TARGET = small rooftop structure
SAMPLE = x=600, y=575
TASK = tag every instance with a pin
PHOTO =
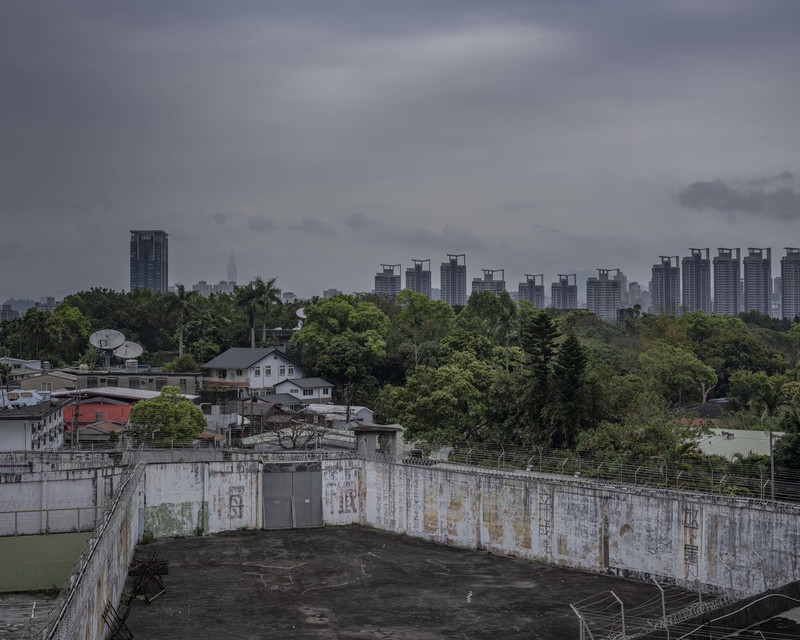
x=378, y=439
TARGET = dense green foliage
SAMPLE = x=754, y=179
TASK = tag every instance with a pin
x=491, y=371
x=167, y=417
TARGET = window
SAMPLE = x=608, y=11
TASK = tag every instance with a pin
x=238, y=372
x=223, y=373
x=256, y=371
x=206, y=408
x=282, y=370
x=294, y=390
x=291, y=369
x=47, y=386
x=308, y=392
x=326, y=391
x=91, y=383
x=267, y=371
x=113, y=382
x=133, y=383
x=182, y=384
x=160, y=383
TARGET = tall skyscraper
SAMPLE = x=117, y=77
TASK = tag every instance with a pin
x=623, y=286
x=387, y=281
x=757, y=279
x=232, y=270
x=790, y=283
x=604, y=295
x=665, y=288
x=453, y=279
x=149, y=260
x=697, y=281
x=564, y=293
x=727, y=281
x=635, y=295
x=488, y=283
x=418, y=278
x=532, y=290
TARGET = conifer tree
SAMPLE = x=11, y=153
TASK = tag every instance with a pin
x=537, y=338
x=569, y=410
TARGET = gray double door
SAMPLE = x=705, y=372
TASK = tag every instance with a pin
x=292, y=498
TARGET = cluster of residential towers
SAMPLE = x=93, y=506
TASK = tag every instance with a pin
x=678, y=285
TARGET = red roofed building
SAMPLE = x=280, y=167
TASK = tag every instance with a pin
x=90, y=412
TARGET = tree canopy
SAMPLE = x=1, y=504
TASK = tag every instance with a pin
x=167, y=417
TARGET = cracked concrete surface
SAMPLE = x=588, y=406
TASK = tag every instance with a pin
x=355, y=583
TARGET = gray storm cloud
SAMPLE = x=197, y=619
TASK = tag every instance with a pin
x=769, y=199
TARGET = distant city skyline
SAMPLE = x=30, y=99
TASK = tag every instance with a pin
x=537, y=136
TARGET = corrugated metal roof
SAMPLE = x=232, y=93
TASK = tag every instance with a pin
x=116, y=392
x=740, y=441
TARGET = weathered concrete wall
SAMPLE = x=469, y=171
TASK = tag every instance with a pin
x=32, y=563
x=57, y=497
x=628, y=531
x=340, y=491
x=195, y=498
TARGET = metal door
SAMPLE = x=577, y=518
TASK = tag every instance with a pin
x=278, y=510
x=307, y=498
x=292, y=499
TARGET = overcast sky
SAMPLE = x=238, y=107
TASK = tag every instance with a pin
x=318, y=139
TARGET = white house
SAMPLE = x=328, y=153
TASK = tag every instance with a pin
x=20, y=368
x=311, y=390
x=29, y=422
x=252, y=371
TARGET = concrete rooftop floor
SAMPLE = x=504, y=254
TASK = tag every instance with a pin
x=355, y=583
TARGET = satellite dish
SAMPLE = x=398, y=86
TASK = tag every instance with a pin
x=301, y=313
x=128, y=350
x=106, y=339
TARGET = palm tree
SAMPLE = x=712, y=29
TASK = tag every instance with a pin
x=266, y=294
x=180, y=304
x=771, y=400
x=245, y=298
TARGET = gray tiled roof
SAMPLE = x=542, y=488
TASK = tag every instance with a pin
x=307, y=383
x=243, y=357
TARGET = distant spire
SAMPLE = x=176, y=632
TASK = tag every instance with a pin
x=232, y=270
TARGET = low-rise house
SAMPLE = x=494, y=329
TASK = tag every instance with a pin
x=30, y=422
x=49, y=381
x=251, y=371
x=310, y=390
x=21, y=368
x=143, y=379
x=335, y=415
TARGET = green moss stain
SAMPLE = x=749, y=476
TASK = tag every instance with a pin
x=175, y=519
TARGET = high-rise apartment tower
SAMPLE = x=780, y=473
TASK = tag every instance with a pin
x=604, y=295
x=488, y=283
x=564, y=293
x=453, y=279
x=418, y=278
x=532, y=290
x=727, y=281
x=790, y=283
x=697, y=281
x=665, y=287
x=387, y=281
x=757, y=279
x=149, y=260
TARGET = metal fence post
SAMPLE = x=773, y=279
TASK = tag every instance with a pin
x=622, y=611
x=663, y=607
